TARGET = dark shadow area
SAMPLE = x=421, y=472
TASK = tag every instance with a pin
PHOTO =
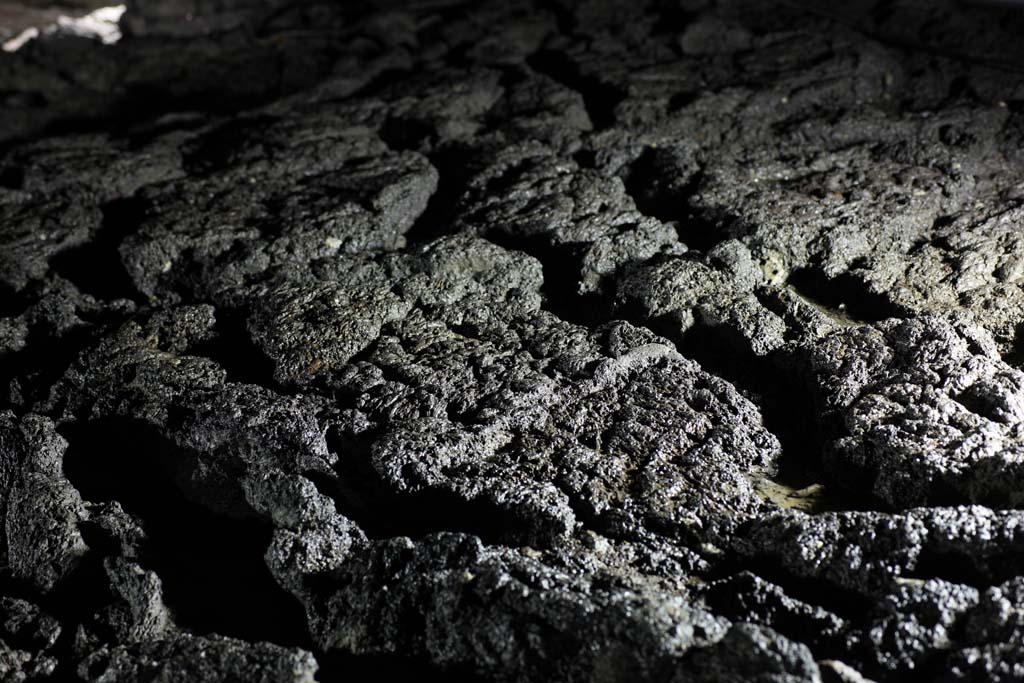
x=739, y=594
x=232, y=349
x=212, y=568
x=962, y=567
x=1015, y=354
x=845, y=296
x=75, y=600
x=784, y=403
x=599, y=99
x=561, y=268
x=844, y=603
x=673, y=18
x=12, y=303
x=662, y=186
x=360, y=494
x=225, y=144
x=439, y=216
x=338, y=667
x=12, y=177
x=973, y=31
x=859, y=609
x=95, y=267
x=43, y=360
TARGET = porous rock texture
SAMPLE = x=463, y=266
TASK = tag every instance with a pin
x=515, y=340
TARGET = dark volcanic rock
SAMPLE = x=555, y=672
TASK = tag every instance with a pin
x=190, y=658
x=525, y=341
x=320, y=187
x=925, y=413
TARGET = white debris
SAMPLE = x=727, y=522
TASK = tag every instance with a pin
x=101, y=24
x=17, y=41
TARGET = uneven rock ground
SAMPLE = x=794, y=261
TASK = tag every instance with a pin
x=518, y=340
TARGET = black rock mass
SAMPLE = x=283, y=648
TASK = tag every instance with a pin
x=515, y=340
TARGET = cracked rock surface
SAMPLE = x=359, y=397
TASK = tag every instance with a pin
x=541, y=340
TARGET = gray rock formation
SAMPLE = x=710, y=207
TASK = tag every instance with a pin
x=567, y=340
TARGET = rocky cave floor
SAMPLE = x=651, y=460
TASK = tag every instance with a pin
x=518, y=340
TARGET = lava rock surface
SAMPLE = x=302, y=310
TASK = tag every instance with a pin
x=528, y=340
